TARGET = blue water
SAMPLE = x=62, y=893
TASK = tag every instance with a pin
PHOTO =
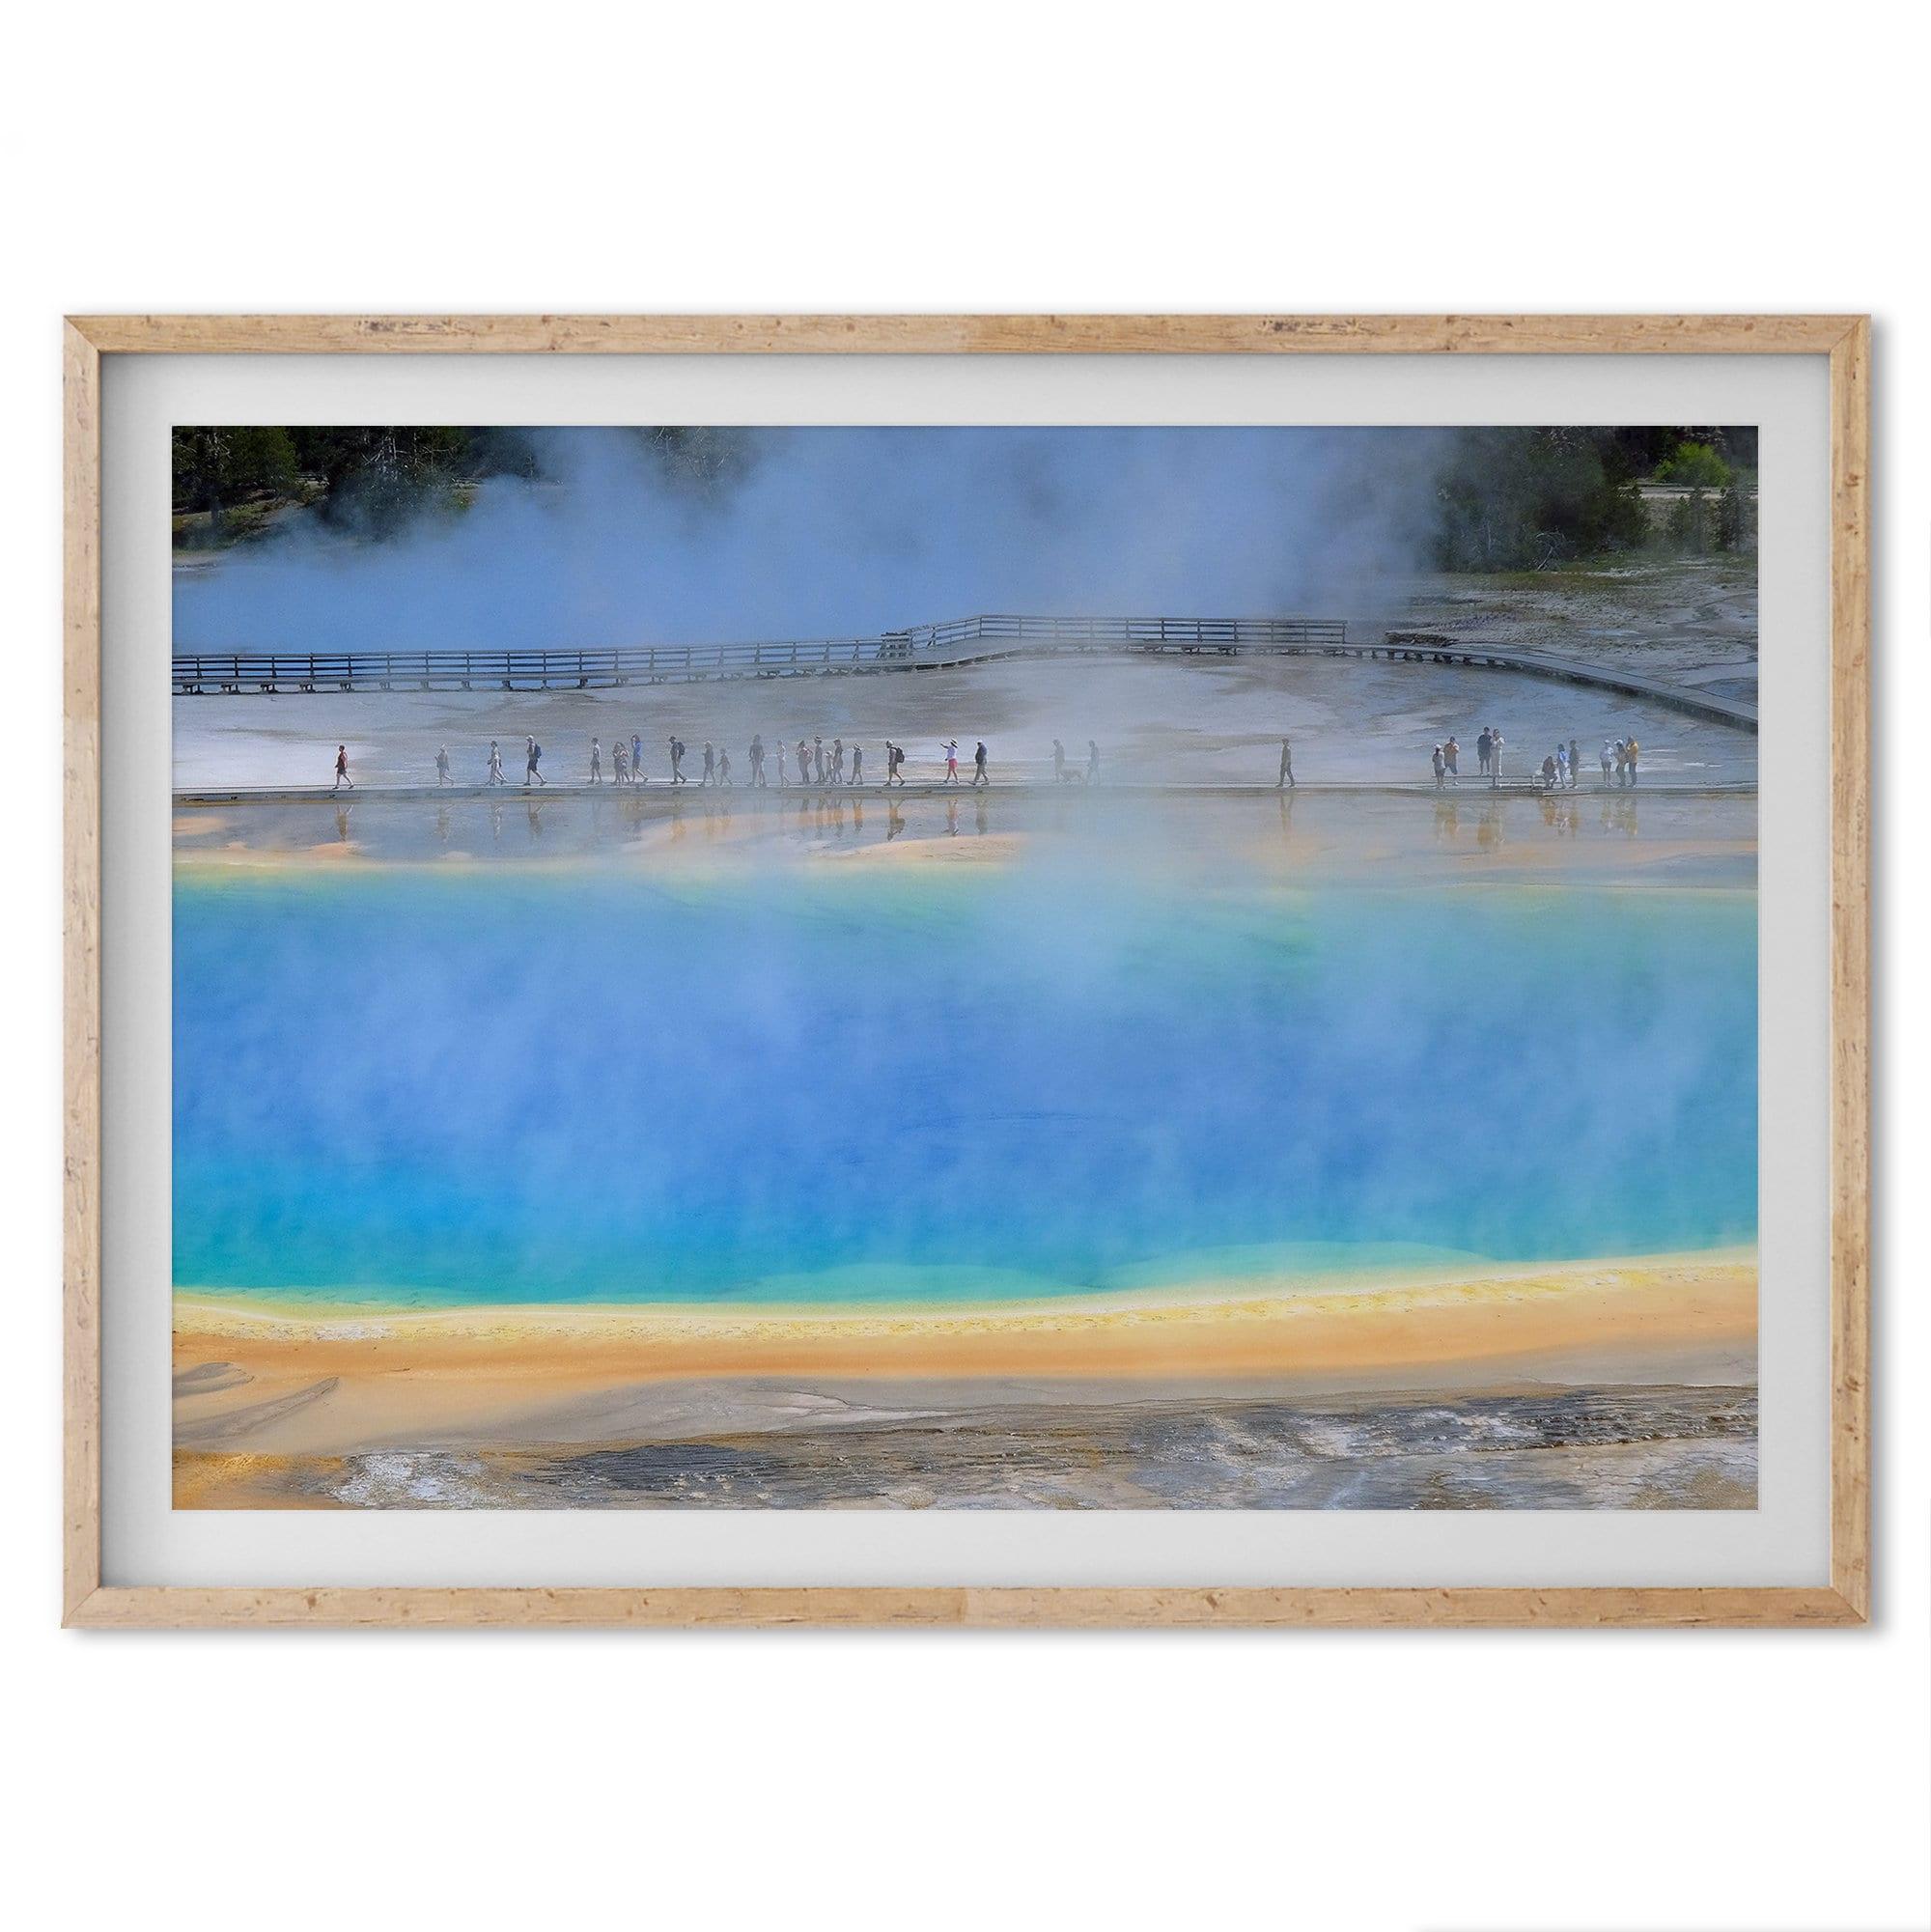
x=412, y=1087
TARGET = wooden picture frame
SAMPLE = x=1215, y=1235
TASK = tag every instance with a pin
x=1844, y=340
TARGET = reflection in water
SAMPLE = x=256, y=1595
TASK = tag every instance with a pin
x=1338, y=834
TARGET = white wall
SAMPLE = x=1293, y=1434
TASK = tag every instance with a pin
x=230, y=157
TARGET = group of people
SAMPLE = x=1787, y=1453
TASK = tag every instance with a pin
x=1561, y=769
x=817, y=764
x=1071, y=774
x=622, y=756
x=1619, y=761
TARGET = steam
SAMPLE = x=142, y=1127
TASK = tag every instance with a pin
x=842, y=532
x=614, y=1082
x=562, y=1085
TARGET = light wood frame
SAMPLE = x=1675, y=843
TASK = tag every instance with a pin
x=1845, y=340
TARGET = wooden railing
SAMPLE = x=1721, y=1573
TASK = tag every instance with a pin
x=588, y=667
x=927, y=647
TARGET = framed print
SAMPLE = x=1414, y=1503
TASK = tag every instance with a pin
x=967, y=970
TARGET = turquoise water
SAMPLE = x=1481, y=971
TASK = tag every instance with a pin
x=419, y=1088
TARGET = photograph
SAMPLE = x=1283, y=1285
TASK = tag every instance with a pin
x=1014, y=905
x=1140, y=968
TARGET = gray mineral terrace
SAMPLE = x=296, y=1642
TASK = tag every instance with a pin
x=1167, y=720
x=986, y=639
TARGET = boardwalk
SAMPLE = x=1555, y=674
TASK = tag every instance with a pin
x=970, y=640
x=1472, y=790
x=930, y=647
x=1421, y=647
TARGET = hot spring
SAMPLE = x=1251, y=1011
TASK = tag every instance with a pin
x=420, y=1086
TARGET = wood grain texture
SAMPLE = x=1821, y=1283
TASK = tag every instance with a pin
x=80, y=1098
x=1846, y=1599
x=963, y=335
x=1850, y=966
x=974, y=1609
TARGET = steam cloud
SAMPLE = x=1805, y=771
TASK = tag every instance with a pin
x=844, y=532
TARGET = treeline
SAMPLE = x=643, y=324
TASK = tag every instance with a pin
x=231, y=477
x=1514, y=499
x=229, y=480
x=1505, y=498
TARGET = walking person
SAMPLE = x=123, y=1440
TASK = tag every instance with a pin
x=894, y=760
x=784, y=782
x=858, y=765
x=1060, y=761
x=1631, y=754
x=1575, y=765
x=951, y=749
x=636, y=759
x=442, y=777
x=724, y=769
x=757, y=759
x=838, y=761
x=1482, y=748
x=596, y=763
x=620, y=761
x=1286, y=779
x=342, y=777
x=710, y=766
x=495, y=773
x=676, y=776
x=532, y=758
x=979, y=776
x=1451, y=753
x=1092, y=761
